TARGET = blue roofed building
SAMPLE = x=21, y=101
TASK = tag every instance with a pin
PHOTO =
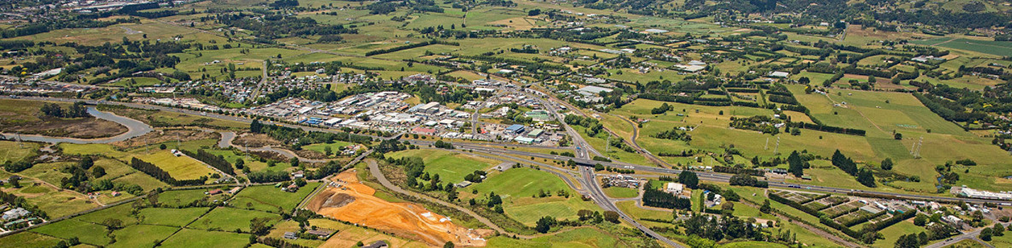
x=515, y=128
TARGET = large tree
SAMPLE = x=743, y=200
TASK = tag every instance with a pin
x=689, y=179
x=797, y=165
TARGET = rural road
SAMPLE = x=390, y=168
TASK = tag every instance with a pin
x=969, y=235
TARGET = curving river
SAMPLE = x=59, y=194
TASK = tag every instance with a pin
x=134, y=128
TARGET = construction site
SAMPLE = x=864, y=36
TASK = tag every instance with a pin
x=347, y=199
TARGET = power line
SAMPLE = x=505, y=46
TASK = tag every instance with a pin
x=917, y=150
x=777, y=148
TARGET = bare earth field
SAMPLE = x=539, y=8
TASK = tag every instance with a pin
x=355, y=202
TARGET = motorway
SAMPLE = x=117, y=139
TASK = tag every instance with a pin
x=584, y=152
x=705, y=176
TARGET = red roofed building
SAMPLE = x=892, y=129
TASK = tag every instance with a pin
x=422, y=130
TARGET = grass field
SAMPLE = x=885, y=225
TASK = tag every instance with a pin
x=55, y=203
x=334, y=147
x=181, y=168
x=115, y=212
x=347, y=236
x=580, y=237
x=528, y=210
x=28, y=239
x=14, y=152
x=172, y=119
x=88, y=233
x=201, y=238
x=518, y=186
x=943, y=140
x=630, y=208
x=450, y=166
x=893, y=233
x=175, y=198
x=171, y=216
x=999, y=48
x=141, y=235
x=268, y=198
x=230, y=219
x=621, y=192
x=752, y=244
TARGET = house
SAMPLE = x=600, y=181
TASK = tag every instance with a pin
x=292, y=188
x=463, y=184
x=953, y=220
x=115, y=193
x=779, y=74
x=234, y=190
x=594, y=90
x=690, y=68
x=298, y=174
x=321, y=233
x=14, y=214
x=213, y=192
x=377, y=244
x=291, y=235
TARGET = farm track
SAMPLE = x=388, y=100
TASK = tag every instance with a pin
x=376, y=172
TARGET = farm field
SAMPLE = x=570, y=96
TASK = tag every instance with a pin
x=181, y=168
x=270, y=199
x=450, y=166
x=999, y=48
x=202, y=238
x=913, y=94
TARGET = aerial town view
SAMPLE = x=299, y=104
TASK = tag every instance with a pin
x=506, y=123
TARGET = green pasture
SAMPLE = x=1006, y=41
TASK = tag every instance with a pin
x=269, y=199
x=451, y=167
x=230, y=219
x=202, y=238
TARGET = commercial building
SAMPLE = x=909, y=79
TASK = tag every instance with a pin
x=523, y=140
x=535, y=133
x=674, y=188
x=515, y=128
x=980, y=194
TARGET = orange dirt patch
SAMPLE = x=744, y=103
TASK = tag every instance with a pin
x=354, y=202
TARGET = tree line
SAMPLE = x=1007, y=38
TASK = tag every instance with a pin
x=863, y=175
x=156, y=172
x=217, y=162
x=78, y=109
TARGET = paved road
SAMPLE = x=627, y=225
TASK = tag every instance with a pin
x=709, y=176
x=956, y=239
x=602, y=200
x=586, y=150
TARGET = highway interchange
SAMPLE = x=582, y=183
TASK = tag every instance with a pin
x=583, y=151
